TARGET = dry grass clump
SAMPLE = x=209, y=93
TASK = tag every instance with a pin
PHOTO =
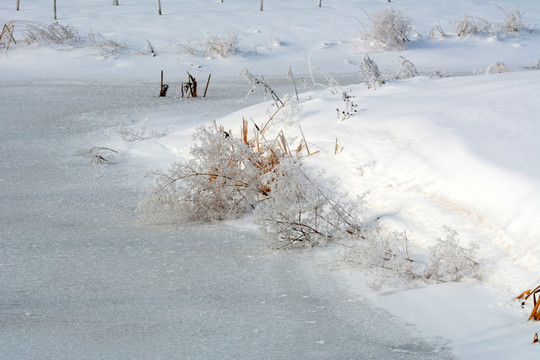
x=224, y=177
x=497, y=68
x=406, y=69
x=55, y=33
x=212, y=46
x=389, y=29
x=107, y=47
x=472, y=25
x=393, y=258
x=369, y=72
x=38, y=33
x=513, y=21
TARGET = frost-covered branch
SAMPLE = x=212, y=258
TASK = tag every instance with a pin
x=253, y=81
x=369, y=73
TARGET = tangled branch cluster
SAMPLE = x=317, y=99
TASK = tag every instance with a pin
x=299, y=213
x=228, y=176
x=223, y=178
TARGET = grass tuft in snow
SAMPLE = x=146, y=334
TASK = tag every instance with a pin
x=389, y=29
x=497, y=68
x=52, y=33
x=406, y=69
x=513, y=21
x=369, y=73
x=107, y=47
x=391, y=258
x=449, y=261
x=212, y=46
x=222, y=180
x=472, y=25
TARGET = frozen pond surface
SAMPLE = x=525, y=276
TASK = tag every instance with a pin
x=79, y=279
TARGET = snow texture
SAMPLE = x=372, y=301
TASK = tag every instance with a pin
x=82, y=278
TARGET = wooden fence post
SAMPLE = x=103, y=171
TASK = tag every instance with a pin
x=164, y=87
x=207, y=83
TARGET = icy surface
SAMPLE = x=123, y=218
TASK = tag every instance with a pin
x=80, y=279
x=77, y=272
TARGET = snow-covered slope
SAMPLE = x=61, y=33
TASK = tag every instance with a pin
x=283, y=35
x=459, y=151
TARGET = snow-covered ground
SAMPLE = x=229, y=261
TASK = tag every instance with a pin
x=459, y=151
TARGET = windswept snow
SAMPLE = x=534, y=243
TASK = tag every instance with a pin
x=81, y=279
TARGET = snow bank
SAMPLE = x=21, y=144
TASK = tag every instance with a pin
x=459, y=151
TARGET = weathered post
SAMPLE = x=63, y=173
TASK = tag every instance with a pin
x=18, y=5
x=54, y=9
x=207, y=83
x=261, y=7
x=159, y=6
x=163, y=88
